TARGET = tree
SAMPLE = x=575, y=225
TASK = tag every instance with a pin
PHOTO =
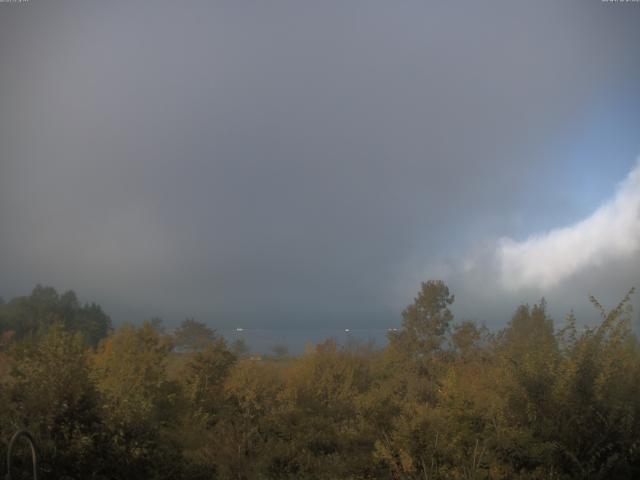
x=441, y=401
x=321, y=415
x=193, y=335
x=597, y=421
x=250, y=423
x=240, y=348
x=426, y=321
x=157, y=324
x=31, y=316
x=414, y=359
x=204, y=378
x=141, y=403
x=467, y=338
x=51, y=394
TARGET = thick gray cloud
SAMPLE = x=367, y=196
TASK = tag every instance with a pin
x=298, y=163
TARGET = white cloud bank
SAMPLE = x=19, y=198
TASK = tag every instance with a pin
x=611, y=233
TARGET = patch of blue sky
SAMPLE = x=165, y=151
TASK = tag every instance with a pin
x=604, y=149
x=585, y=162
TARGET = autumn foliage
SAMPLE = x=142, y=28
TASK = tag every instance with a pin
x=443, y=400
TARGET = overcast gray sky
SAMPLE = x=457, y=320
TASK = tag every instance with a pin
x=304, y=164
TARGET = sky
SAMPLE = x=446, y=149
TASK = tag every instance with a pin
x=298, y=164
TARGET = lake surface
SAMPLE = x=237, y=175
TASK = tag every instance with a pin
x=262, y=340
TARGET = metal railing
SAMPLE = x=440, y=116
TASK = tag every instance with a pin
x=34, y=457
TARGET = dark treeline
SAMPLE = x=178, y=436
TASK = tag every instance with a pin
x=443, y=400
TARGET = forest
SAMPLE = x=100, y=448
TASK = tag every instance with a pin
x=443, y=399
